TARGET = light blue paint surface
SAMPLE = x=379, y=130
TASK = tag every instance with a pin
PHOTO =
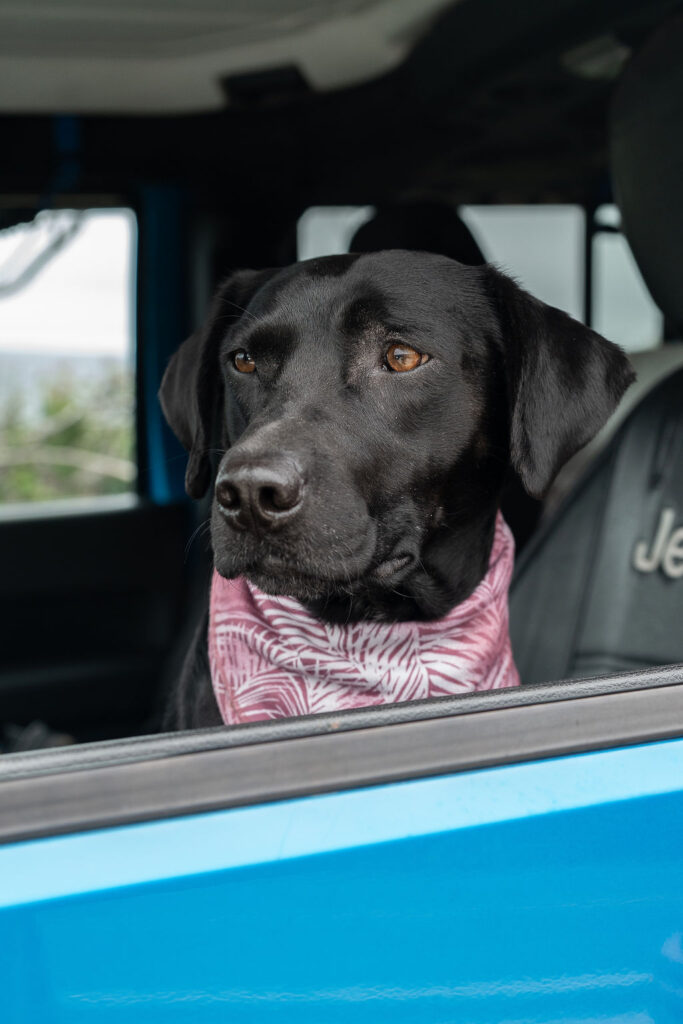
x=543, y=892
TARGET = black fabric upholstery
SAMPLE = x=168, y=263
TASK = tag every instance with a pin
x=646, y=142
x=578, y=605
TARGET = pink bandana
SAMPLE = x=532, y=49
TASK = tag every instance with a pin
x=270, y=658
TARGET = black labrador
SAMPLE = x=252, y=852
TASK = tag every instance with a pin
x=368, y=408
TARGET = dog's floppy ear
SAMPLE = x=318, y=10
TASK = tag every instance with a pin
x=192, y=386
x=564, y=381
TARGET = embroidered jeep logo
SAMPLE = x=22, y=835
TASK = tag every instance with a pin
x=666, y=550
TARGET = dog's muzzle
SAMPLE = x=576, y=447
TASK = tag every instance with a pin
x=261, y=494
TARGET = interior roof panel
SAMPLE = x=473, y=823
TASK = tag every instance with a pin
x=165, y=56
x=493, y=103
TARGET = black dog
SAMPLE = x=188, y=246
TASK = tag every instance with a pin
x=369, y=408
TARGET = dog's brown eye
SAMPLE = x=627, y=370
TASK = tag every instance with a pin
x=402, y=357
x=243, y=361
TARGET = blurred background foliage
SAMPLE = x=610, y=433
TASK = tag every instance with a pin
x=78, y=442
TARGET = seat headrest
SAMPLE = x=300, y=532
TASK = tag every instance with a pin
x=646, y=143
x=428, y=226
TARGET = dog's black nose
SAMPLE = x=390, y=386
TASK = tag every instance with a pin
x=260, y=495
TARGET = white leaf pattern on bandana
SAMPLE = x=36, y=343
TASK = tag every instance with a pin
x=270, y=658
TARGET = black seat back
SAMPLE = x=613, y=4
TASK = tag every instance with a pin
x=646, y=147
x=600, y=588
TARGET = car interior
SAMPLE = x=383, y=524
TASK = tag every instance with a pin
x=541, y=137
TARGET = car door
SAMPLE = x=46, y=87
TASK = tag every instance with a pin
x=500, y=857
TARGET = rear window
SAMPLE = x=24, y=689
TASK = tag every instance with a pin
x=544, y=247
x=623, y=308
x=541, y=246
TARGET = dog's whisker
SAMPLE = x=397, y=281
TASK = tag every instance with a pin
x=195, y=533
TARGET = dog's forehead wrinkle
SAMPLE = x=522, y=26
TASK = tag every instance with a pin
x=355, y=306
x=361, y=308
x=340, y=304
x=268, y=335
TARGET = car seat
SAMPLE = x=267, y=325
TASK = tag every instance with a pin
x=600, y=588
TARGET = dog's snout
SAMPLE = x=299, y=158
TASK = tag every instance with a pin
x=258, y=495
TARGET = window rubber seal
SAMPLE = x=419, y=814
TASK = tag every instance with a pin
x=119, y=782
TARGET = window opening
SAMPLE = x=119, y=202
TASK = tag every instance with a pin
x=67, y=356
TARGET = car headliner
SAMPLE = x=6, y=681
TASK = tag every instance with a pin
x=171, y=55
x=494, y=102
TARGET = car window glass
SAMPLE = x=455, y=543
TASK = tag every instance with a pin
x=623, y=308
x=328, y=230
x=541, y=246
x=66, y=356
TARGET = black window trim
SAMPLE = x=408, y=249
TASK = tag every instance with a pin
x=98, y=785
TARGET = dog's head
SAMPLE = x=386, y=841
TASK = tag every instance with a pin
x=369, y=408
